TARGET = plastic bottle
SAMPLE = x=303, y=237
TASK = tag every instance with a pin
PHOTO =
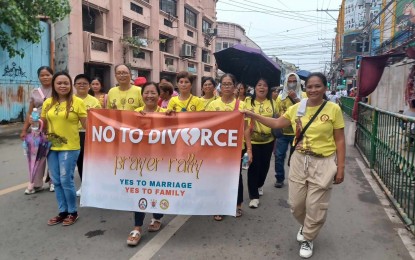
x=35, y=120
x=245, y=160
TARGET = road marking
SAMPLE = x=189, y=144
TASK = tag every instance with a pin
x=155, y=244
x=14, y=188
x=404, y=234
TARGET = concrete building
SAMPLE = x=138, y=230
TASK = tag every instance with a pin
x=229, y=34
x=154, y=37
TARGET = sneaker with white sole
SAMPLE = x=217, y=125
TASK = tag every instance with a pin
x=78, y=192
x=260, y=191
x=306, y=249
x=254, y=203
x=51, y=187
x=300, y=237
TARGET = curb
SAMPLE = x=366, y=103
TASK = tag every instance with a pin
x=12, y=128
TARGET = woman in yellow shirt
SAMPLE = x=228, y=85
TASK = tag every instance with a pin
x=318, y=160
x=186, y=102
x=262, y=140
x=97, y=91
x=228, y=102
x=61, y=114
x=208, y=88
x=82, y=84
x=151, y=94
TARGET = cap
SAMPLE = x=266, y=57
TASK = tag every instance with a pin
x=139, y=81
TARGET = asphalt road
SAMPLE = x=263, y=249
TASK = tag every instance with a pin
x=357, y=226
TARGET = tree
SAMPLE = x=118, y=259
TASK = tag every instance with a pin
x=19, y=20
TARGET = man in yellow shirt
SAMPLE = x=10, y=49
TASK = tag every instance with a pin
x=290, y=95
x=125, y=96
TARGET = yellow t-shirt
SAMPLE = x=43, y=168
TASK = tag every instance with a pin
x=206, y=102
x=195, y=104
x=90, y=102
x=219, y=105
x=282, y=106
x=63, y=132
x=263, y=109
x=125, y=100
x=318, y=140
x=159, y=109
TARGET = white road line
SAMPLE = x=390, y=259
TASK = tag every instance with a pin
x=155, y=244
x=406, y=236
x=14, y=188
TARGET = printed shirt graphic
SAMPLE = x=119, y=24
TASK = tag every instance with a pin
x=318, y=140
x=125, y=100
x=63, y=132
x=90, y=102
x=206, y=102
x=264, y=109
x=101, y=99
x=159, y=109
x=195, y=104
x=282, y=107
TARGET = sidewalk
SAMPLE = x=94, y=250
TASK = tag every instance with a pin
x=11, y=129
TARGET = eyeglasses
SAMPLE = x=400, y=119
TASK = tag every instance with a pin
x=122, y=73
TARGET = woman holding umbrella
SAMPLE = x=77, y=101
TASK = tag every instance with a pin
x=37, y=97
x=228, y=102
x=62, y=113
x=262, y=140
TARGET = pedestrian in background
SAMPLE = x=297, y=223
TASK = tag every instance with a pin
x=333, y=97
x=166, y=92
x=228, y=102
x=318, y=160
x=37, y=97
x=186, y=102
x=82, y=85
x=291, y=94
x=151, y=93
x=262, y=140
x=62, y=114
x=241, y=91
x=97, y=91
x=208, y=88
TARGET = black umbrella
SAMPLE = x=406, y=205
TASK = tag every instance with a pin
x=248, y=65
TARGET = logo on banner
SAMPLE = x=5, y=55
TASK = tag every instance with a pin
x=153, y=204
x=142, y=203
x=164, y=204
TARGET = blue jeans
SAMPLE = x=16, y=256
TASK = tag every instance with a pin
x=281, y=147
x=62, y=167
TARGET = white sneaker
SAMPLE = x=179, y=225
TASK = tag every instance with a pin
x=254, y=203
x=260, y=191
x=306, y=249
x=300, y=237
x=78, y=192
x=51, y=187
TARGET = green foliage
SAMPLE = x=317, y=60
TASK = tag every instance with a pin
x=19, y=19
x=132, y=42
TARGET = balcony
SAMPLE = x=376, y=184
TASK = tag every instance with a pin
x=190, y=34
x=169, y=63
x=98, y=48
x=168, y=24
x=138, y=11
x=139, y=58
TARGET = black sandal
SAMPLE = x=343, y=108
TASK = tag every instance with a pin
x=238, y=213
x=218, y=217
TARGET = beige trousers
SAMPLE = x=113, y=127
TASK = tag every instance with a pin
x=310, y=183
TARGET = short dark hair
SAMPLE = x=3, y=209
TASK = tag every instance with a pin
x=116, y=67
x=149, y=84
x=230, y=76
x=185, y=74
x=82, y=76
x=166, y=87
x=47, y=68
x=318, y=75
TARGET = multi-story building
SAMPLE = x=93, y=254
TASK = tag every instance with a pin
x=229, y=34
x=154, y=37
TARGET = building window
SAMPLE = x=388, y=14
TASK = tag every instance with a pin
x=138, y=31
x=168, y=23
x=169, y=61
x=218, y=46
x=98, y=45
x=166, y=44
x=190, y=17
x=169, y=6
x=205, y=56
x=136, y=8
x=205, y=26
x=137, y=54
x=92, y=20
x=189, y=33
x=207, y=68
x=225, y=45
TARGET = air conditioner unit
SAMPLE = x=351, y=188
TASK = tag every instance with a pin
x=208, y=58
x=187, y=50
x=211, y=31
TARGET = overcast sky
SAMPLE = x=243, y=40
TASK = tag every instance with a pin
x=291, y=30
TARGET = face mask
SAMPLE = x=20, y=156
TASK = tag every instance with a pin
x=292, y=86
